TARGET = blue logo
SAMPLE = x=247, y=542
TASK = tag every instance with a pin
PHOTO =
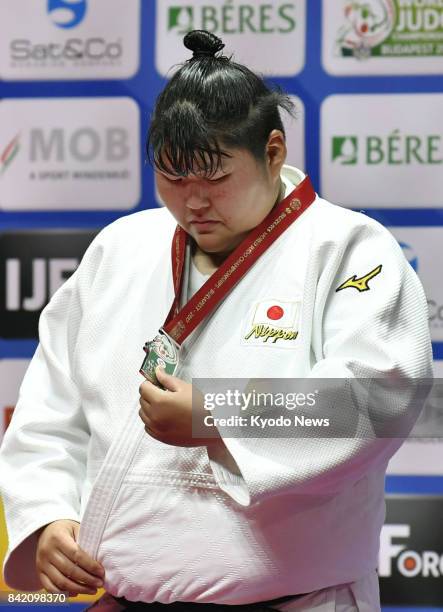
x=67, y=13
x=410, y=255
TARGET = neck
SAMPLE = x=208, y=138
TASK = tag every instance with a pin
x=206, y=263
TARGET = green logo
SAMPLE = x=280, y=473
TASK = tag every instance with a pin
x=393, y=149
x=230, y=18
x=345, y=150
x=8, y=153
x=391, y=28
x=181, y=19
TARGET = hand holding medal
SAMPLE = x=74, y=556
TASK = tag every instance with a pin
x=160, y=352
x=170, y=415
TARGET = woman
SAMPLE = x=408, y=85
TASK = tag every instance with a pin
x=267, y=280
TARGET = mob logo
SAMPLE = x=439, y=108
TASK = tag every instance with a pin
x=33, y=265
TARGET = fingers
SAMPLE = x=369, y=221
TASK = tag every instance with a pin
x=81, y=559
x=145, y=410
x=151, y=392
x=154, y=420
x=147, y=390
x=50, y=587
x=146, y=420
x=168, y=381
x=149, y=426
x=47, y=584
x=143, y=416
x=75, y=572
x=55, y=582
x=62, y=565
x=148, y=414
x=65, y=550
x=76, y=530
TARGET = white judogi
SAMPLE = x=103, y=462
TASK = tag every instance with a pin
x=269, y=518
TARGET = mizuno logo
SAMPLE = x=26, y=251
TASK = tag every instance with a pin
x=362, y=283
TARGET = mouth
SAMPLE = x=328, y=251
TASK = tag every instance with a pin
x=201, y=226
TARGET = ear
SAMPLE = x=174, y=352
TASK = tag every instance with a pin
x=276, y=152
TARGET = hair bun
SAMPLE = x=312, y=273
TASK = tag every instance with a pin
x=202, y=43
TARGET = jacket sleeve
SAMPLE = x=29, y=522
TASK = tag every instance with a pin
x=43, y=454
x=377, y=331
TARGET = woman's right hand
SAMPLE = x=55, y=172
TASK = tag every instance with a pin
x=62, y=566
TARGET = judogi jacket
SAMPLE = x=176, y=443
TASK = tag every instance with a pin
x=267, y=517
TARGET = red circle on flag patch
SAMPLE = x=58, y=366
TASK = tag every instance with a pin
x=275, y=312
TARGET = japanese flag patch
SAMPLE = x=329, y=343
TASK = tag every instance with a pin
x=272, y=323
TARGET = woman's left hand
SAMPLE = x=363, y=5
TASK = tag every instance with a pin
x=170, y=417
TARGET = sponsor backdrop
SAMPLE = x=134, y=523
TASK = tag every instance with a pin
x=78, y=79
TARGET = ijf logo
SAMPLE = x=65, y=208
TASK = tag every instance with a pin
x=33, y=266
x=272, y=322
x=67, y=13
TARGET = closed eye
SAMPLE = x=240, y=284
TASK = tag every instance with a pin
x=178, y=179
x=172, y=179
x=220, y=179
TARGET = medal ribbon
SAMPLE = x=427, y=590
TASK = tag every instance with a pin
x=179, y=324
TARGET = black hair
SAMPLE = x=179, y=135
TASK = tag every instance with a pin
x=212, y=102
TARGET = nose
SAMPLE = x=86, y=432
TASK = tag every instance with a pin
x=196, y=197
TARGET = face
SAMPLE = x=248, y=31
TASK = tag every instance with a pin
x=219, y=212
